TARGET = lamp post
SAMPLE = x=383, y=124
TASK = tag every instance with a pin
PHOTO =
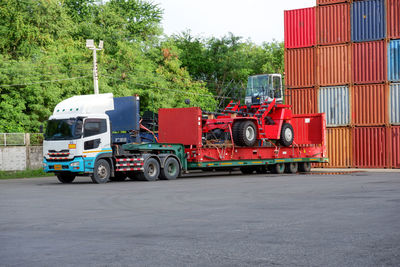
x=91, y=46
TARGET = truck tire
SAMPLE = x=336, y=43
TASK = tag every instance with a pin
x=291, y=167
x=278, y=168
x=287, y=134
x=151, y=170
x=244, y=133
x=171, y=169
x=118, y=177
x=101, y=172
x=247, y=170
x=304, y=167
x=66, y=177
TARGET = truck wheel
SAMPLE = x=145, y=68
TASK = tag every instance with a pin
x=244, y=133
x=66, y=177
x=304, y=167
x=171, y=169
x=287, y=135
x=151, y=170
x=101, y=172
x=247, y=170
x=291, y=167
x=118, y=177
x=278, y=168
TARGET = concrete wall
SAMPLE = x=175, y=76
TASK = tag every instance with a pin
x=19, y=158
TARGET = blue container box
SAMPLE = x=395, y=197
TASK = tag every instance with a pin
x=368, y=20
x=393, y=52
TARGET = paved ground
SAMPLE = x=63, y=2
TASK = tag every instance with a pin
x=258, y=220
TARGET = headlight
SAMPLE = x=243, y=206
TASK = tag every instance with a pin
x=74, y=164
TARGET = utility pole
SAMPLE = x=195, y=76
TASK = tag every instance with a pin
x=91, y=46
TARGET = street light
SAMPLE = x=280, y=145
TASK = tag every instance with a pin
x=90, y=44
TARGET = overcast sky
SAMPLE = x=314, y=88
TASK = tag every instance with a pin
x=260, y=20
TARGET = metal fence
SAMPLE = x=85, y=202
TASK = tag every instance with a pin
x=21, y=139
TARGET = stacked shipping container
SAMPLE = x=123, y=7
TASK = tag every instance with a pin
x=343, y=58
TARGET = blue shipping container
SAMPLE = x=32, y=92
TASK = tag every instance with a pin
x=394, y=105
x=394, y=60
x=368, y=20
x=334, y=101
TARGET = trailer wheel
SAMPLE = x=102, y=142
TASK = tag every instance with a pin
x=118, y=177
x=66, y=177
x=291, y=167
x=171, y=169
x=151, y=170
x=244, y=133
x=278, y=168
x=304, y=166
x=247, y=170
x=101, y=172
x=287, y=134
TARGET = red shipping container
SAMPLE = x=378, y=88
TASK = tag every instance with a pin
x=393, y=19
x=370, y=147
x=329, y=2
x=300, y=28
x=333, y=24
x=303, y=101
x=369, y=62
x=370, y=105
x=334, y=65
x=395, y=146
x=300, y=67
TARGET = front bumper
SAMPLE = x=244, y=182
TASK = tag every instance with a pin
x=75, y=165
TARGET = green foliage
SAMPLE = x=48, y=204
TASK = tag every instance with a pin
x=43, y=58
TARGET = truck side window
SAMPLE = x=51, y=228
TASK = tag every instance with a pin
x=91, y=144
x=94, y=127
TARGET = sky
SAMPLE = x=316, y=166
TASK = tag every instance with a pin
x=259, y=20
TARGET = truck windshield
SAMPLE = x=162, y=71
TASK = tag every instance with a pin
x=258, y=85
x=65, y=129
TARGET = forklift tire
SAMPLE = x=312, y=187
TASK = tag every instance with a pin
x=247, y=170
x=304, y=167
x=287, y=134
x=171, y=169
x=151, y=170
x=244, y=133
x=101, y=172
x=291, y=167
x=278, y=168
x=118, y=177
x=66, y=177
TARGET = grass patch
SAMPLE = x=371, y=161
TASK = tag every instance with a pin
x=24, y=174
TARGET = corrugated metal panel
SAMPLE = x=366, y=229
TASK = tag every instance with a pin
x=334, y=101
x=300, y=28
x=303, y=101
x=338, y=147
x=329, y=2
x=333, y=24
x=334, y=65
x=369, y=105
x=370, y=147
x=394, y=105
x=300, y=67
x=369, y=62
x=394, y=60
x=393, y=19
x=368, y=22
x=395, y=146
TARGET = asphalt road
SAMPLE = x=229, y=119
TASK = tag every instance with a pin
x=209, y=220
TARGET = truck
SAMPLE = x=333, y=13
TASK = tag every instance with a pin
x=101, y=136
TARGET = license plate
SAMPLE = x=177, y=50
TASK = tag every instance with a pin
x=57, y=167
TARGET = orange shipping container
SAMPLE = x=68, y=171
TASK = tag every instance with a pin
x=300, y=67
x=333, y=24
x=395, y=146
x=334, y=65
x=339, y=148
x=329, y=2
x=369, y=105
x=393, y=19
x=303, y=101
